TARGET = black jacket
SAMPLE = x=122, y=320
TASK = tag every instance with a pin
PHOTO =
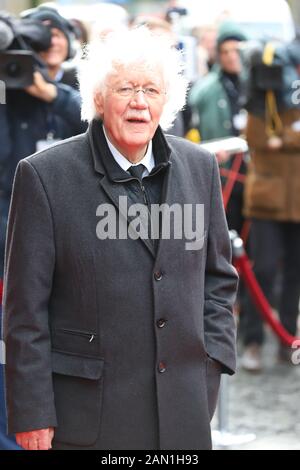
x=24, y=120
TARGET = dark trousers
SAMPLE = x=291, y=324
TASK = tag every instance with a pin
x=275, y=250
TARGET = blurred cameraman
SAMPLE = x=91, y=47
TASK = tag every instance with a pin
x=63, y=34
x=42, y=113
x=33, y=118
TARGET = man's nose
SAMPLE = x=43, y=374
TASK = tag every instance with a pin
x=139, y=99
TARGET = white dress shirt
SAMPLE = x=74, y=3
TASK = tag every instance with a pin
x=147, y=160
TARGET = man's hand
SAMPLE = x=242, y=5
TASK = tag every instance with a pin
x=40, y=439
x=41, y=89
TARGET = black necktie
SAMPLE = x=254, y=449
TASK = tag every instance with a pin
x=137, y=171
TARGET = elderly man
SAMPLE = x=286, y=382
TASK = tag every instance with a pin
x=116, y=328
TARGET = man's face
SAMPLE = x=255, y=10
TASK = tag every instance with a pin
x=229, y=57
x=131, y=121
x=58, y=51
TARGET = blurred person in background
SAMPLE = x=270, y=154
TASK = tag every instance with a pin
x=272, y=195
x=46, y=111
x=218, y=101
x=64, y=35
x=206, y=48
x=69, y=69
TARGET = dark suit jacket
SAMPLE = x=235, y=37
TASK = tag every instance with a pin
x=84, y=346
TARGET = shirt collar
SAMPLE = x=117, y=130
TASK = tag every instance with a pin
x=148, y=160
x=104, y=162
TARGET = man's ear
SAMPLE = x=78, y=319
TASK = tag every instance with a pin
x=98, y=100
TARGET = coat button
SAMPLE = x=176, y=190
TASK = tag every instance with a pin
x=161, y=323
x=161, y=367
x=222, y=103
x=158, y=275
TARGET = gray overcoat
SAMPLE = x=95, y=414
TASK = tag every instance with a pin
x=116, y=346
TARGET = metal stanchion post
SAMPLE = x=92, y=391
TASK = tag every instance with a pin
x=223, y=405
x=221, y=437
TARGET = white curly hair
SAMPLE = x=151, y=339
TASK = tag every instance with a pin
x=127, y=48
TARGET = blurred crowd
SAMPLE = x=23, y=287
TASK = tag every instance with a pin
x=238, y=88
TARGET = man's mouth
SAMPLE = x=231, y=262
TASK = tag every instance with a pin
x=136, y=120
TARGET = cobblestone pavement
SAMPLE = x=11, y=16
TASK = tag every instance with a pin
x=266, y=404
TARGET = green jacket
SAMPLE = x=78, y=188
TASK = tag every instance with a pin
x=209, y=99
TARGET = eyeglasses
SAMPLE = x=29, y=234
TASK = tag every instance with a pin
x=129, y=91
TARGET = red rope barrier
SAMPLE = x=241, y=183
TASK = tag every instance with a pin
x=245, y=232
x=243, y=265
x=229, y=174
x=232, y=176
x=242, y=261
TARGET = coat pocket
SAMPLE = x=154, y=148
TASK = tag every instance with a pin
x=75, y=341
x=78, y=391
